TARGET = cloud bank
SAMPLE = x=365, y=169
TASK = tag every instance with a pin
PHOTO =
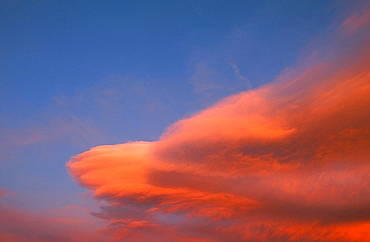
x=286, y=161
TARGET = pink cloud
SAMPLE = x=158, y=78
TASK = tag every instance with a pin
x=21, y=226
x=287, y=161
x=357, y=21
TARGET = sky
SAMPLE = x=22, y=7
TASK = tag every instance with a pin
x=184, y=120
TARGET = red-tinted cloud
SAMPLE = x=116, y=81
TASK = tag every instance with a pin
x=287, y=161
x=23, y=226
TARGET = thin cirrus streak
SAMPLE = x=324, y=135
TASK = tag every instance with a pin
x=287, y=161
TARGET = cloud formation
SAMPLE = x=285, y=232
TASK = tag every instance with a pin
x=287, y=161
x=18, y=225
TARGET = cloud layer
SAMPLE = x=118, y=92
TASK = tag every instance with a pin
x=287, y=161
x=19, y=225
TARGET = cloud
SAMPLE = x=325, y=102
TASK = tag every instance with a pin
x=239, y=76
x=79, y=132
x=286, y=161
x=20, y=226
x=16, y=225
x=204, y=78
x=357, y=21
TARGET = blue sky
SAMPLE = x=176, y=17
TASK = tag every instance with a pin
x=77, y=74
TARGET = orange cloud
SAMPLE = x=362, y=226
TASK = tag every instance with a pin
x=287, y=161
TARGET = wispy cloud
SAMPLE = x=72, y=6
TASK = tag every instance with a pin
x=204, y=78
x=239, y=76
x=78, y=131
x=22, y=225
x=287, y=161
x=357, y=21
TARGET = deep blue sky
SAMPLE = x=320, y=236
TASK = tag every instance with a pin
x=76, y=74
